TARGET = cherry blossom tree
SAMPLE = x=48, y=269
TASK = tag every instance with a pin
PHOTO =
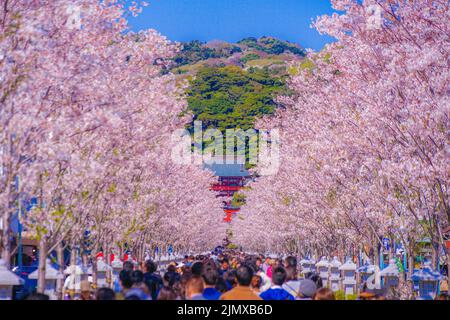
x=87, y=117
x=364, y=137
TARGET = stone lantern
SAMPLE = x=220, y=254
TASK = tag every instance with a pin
x=116, y=266
x=428, y=282
x=348, y=270
x=307, y=266
x=335, y=274
x=51, y=276
x=103, y=273
x=8, y=279
x=322, y=267
x=390, y=275
x=365, y=271
x=86, y=273
x=131, y=259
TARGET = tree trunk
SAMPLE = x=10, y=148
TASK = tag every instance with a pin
x=94, y=273
x=142, y=253
x=73, y=262
x=6, y=244
x=376, y=256
x=410, y=252
x=73, y=255
x=410, y=262
x=448, y=267
x=60, y=282
x=84, y=259
x=41, y=266
x=434, y=255
x=106, y=253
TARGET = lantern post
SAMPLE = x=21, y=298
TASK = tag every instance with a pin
x=8, y=279
x=52, y=275
x=323, y=268
x=428, y=282
x=348, y=275
x=390, y=275
x=335, y=274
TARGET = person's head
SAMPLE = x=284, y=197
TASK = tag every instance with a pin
x=180, y=267
x=278, y=276
x=221, y=285
x=128, y=265
x=150, y=266
x=256, y=282
x=258, y=262
x=250, y=264
x=137, y=277
x=230, y=277
x=167, y=293
x=278, y=263
x=307, y=288
x=180, y=285
x=38, y=296
x=197, y=268
x=291, y=273
x=225, y=264
x=105, y=294
x=209, y=263
x=169, y=279
x=324, y=294
x=125, y=279
x=194, y=286
x=290, y=261
x=315, y=278
x=372, y=294
x=244, y=275
x=210, y=276
x=171, y=268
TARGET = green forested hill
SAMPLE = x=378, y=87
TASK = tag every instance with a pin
x=230, y=97
x=230, y=84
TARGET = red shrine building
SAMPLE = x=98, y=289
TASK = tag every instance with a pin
x=231, y=177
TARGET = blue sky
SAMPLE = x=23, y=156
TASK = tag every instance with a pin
x=232, y=20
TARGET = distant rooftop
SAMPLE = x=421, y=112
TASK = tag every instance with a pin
x=228, y=168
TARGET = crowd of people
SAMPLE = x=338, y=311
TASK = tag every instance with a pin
x=225, y=276
x=222, y=276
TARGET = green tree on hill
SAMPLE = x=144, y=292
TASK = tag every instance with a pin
x=229, y=97
x=195, y=51
x=272, y=45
